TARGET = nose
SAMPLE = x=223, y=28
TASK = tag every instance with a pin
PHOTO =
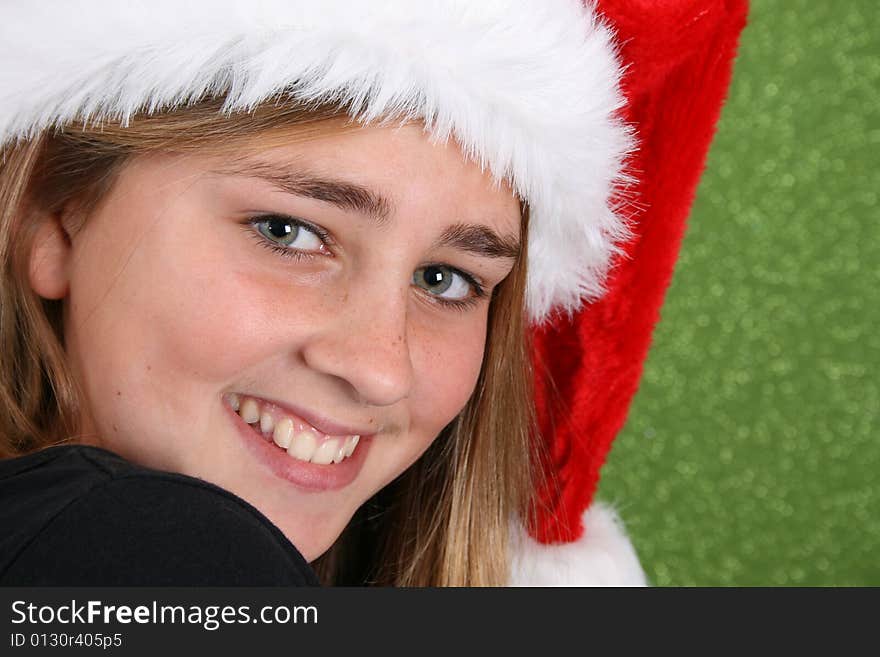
x=363, y=342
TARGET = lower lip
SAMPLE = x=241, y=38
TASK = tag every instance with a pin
x=310, y=477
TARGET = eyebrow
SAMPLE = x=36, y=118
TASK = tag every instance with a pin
x=479, y=240
x=345, y=195
x=473, y=238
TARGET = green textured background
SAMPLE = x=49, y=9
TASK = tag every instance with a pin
x=751, y=455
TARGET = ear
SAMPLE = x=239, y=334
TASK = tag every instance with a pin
x=49, y=270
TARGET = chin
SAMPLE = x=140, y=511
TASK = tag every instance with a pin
x=313, y=539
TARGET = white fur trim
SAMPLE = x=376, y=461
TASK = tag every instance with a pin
x=529, y=88
x=604, y=556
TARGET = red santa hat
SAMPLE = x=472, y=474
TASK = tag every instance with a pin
x=599, y=115
x=678, y=58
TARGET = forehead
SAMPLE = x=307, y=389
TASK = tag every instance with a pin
x=401, y=166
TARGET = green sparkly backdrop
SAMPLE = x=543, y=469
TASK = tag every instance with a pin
x=751, y=455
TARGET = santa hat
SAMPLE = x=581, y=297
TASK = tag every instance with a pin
x=599, y=115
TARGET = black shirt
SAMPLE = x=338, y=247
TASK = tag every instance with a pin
x=83, y=516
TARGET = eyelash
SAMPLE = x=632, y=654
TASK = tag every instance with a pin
x=460, y=305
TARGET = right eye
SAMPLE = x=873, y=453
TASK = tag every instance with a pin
x=288, y=233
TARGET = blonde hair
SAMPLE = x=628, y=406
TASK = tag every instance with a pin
x=444, y=522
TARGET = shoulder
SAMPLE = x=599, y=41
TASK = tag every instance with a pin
x=88, y=517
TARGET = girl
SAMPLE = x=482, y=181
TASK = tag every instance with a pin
x=269, y=273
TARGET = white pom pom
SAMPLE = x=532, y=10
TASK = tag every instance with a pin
x=603, y=556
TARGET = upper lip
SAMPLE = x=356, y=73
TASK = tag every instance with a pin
x=323, y=423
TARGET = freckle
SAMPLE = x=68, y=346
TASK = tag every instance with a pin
x=118, y=394
x=149, y=368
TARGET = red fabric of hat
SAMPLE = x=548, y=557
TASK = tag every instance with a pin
x=678, y=56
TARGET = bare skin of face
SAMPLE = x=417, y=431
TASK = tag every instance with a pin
x=242, y=319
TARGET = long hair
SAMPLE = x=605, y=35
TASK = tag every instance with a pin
x=444, y=522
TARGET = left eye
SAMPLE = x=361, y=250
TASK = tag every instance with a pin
x=287, y=232
x=442, y=281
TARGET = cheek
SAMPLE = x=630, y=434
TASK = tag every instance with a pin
x=447, y=366
x=158, y=330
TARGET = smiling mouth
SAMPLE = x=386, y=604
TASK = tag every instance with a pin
x=290, y=433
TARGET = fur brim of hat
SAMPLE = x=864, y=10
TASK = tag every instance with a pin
x=528, y=88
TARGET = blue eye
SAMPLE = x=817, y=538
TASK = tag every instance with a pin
x=286, y=232
x=292, y=238
x=445, y=282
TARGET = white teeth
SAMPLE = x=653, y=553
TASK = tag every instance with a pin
x=267, y=423
x=283, y=433
x=250, y=412
x=303, y=446
x=326, y=452
x=350, y=443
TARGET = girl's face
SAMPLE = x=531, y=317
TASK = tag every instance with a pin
x=329, y=288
